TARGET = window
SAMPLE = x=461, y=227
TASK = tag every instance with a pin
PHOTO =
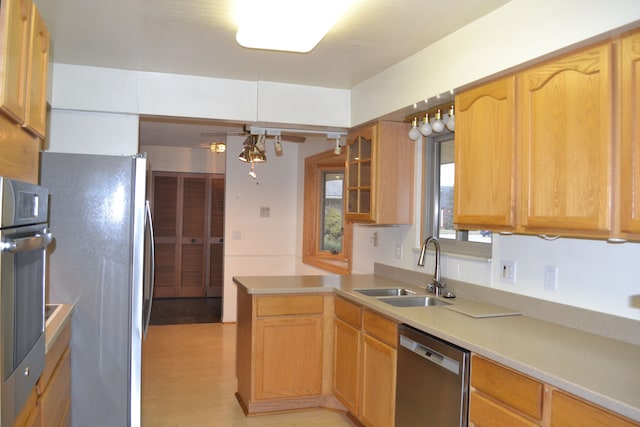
x=439, y=167
x=326, y=237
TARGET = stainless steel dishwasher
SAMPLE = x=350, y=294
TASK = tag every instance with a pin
x=432, y=382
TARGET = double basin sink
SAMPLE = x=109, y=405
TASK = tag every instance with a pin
x=401, y=297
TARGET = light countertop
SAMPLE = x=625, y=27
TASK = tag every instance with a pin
x=56, y=323
x=598, y=369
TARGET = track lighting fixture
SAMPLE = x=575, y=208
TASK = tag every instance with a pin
x=338, y=150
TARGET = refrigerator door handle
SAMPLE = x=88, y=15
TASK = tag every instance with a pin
x=152, y=261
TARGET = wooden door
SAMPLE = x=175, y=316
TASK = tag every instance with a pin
x=485, y=157
x=216, y=237
x=165, y=220
x=630, y=134
x=378, y=383
x=15, y=24
x=346, y=369
x=565, y=143
x=193, y=236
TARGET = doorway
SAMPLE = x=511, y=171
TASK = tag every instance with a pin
x=188, y=212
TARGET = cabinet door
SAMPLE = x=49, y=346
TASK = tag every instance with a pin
x=15, y=20
x=485, y=159
x=359, y=175
x=630, y=134
x=288, y=357
x=36, y=104
x=346, y=366
x=378, y=383
x=565, y=143
x=194, y=236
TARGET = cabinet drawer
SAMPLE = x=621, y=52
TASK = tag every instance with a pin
x=56, y=395
x=484, y=412
x=348, y=312
x=507, y=386
x=284, y=305
x=384, y=329
x=53, y=357
x=568, y=411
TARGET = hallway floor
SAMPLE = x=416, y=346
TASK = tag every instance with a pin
x=188, y=380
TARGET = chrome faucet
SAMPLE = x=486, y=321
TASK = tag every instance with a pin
x=436, y=285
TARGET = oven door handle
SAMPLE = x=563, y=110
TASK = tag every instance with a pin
x=25, y=244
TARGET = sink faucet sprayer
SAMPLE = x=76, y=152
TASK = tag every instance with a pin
x=436, y=285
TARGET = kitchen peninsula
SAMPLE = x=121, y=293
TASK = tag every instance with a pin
x=593, y=368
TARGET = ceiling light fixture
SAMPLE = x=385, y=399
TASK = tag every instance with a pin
x=218, y=147
x=277, y=145
x=287, y=25
x=435, y=124
x=338, y=150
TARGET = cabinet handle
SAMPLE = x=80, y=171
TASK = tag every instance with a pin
x=193, y=240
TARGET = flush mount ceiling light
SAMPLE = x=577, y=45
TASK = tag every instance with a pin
x=287, y=25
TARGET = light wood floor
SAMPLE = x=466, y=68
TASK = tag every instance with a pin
x=188, y=380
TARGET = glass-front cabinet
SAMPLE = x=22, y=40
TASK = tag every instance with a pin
x=379, y=174
x=360, y=169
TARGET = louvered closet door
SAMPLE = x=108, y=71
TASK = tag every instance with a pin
x=216, y=237
x=193, y=236
x=165, y=218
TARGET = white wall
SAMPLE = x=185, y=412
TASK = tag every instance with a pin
x=519, y=31
x=256, y=245
x=73, y=131
x=182, y=159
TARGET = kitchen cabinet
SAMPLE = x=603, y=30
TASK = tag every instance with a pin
x=54, y=386
x=379, y=174
x=565, y=133
x=485, y=146
x=283, y=357
x=630, y=134
x=188, y=212
x=365, y=357
x=500, y=396
x=347, y=354
x=24, y=56
x=503, y=397
x=540, y=159
x=570, y=411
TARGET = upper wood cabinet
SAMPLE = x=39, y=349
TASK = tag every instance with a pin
x=569, y=171
x=379, y=174
x=485, y=145
x=36, y=109
x=630, y=134
x=566, y=144
x=15, y=26
x=24, y=56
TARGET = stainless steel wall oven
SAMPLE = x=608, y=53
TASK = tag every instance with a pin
x=23, y=240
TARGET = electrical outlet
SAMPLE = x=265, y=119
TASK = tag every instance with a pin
x=398, y=251
x=374, y=239
x=551, y=278
x=508, y=271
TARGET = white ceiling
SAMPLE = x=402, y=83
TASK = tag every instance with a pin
x=197, y=37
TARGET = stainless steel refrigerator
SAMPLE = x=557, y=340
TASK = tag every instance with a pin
x=102, y=261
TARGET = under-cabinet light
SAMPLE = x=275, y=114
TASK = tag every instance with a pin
x=287, y=25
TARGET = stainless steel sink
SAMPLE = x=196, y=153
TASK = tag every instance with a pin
x=413, y=301
x=385, y=292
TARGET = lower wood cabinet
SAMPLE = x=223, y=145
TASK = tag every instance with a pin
x=365, y=357
x=283, y=352
x=502, y=397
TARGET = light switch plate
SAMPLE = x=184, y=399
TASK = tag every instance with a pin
x=508, y=271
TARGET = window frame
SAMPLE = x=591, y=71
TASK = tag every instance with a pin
x=431, y=203
x=314, y=168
